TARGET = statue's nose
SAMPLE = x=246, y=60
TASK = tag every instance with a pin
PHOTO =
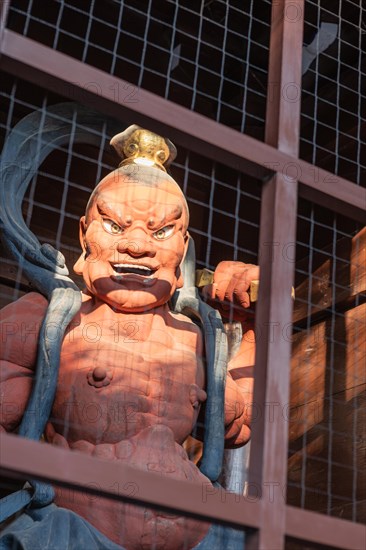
x=138, y=243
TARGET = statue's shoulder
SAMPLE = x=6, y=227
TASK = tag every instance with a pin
x=21, y=322
x=30, y=306
x=185, y=330
x=180, y=320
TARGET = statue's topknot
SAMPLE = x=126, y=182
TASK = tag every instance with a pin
x=139, y=146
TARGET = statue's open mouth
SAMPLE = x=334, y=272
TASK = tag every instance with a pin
x=125, y=269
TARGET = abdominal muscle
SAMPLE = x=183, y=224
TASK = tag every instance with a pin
x=134, y=527
x=138, y=414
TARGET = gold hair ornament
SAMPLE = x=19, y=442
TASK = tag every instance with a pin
x=139, y=146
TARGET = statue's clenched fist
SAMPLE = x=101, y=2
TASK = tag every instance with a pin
x=230, y=290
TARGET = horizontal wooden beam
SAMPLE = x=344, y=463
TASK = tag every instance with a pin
x=124, y=101
x=26, y=459
x=326, y=530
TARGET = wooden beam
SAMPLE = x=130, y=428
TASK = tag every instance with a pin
x=124, y=101
x=26, y=459
x=96, y=476
x=305, y=525
x=269, y=447
x=120, y=99
x=4, y=9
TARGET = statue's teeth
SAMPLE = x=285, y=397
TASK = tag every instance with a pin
x=132, y=268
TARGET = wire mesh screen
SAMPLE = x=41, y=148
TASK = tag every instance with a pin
x=59, y=191
x=333, y=94
x=209, y=56
x=328, y=376
x=224, y=205
x=124, y=522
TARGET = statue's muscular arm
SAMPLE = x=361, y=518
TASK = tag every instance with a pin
x=20, y=326
x=229, y=292
x=239, y=390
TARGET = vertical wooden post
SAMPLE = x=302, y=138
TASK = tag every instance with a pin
x=268, y=464
x=4, y=8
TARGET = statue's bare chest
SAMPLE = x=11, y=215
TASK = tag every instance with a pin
x=98, y=353
x=111, y=381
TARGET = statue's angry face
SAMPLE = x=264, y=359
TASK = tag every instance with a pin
x=134, y=237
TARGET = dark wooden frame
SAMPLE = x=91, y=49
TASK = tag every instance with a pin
x=264, y=509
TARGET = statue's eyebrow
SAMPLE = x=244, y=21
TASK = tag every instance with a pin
x=166, y=216
x=105, y=209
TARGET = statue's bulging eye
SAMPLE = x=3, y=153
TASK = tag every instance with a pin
x=112, y=227
x=163, y=233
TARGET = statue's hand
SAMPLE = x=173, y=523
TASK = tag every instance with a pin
x=229, y=292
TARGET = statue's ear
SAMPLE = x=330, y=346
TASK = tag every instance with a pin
x=187, y=241
x=180, y=281
x=79, y=265
x=182, y=271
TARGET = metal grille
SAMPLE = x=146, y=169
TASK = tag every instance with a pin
x=328, y=380
x=327, y=390
x=59, y=190
x=333, y=94
x=209, y=56
x=327, y=444
x=224, y=205
x=135, y=521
